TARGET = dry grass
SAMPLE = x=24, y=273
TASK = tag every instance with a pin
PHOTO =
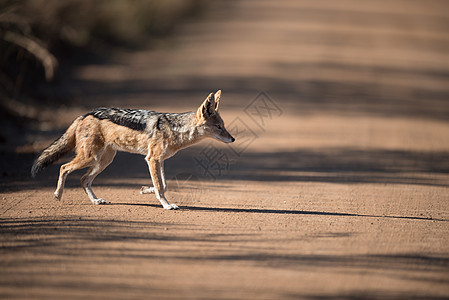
x=35, y=34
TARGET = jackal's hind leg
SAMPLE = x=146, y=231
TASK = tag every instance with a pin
x=86, y=181
x=76, y=164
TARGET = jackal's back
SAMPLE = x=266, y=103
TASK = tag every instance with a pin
x=144, y=120
x=135, y=119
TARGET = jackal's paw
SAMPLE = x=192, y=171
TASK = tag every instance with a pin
x=99, y=201
x=171, y=207
x=57, y=197
x=146, y=190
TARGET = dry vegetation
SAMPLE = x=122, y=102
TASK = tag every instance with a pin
x=36, y=34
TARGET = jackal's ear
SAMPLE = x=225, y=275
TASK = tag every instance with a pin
x=217, y=99
x=207, y=108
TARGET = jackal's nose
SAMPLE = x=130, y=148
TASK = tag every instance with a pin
x=232, y=140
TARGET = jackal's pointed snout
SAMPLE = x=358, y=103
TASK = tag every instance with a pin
x=224, y=136
x=228, y=139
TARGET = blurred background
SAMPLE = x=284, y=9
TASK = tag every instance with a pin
x=339, y=189
x=42, y=43
x=59, y=59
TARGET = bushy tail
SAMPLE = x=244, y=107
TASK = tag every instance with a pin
x=57, y=149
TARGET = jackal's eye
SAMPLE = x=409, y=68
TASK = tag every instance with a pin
x=218, y=127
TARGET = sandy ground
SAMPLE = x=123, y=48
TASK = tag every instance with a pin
x=337, y=186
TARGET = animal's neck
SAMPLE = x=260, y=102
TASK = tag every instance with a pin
x=189, y=138
x=186, y=134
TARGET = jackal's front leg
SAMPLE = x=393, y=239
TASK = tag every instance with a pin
x=158, y=182
x=150, y=189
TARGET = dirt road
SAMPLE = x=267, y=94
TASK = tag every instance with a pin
x=337, y=186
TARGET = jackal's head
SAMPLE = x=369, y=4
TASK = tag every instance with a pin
x=208, y=120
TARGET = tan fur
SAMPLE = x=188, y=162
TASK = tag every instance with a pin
x=97, y=141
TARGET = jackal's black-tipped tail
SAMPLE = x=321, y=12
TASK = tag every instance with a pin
x=57, y=149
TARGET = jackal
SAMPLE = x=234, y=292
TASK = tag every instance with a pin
x=99, y=134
